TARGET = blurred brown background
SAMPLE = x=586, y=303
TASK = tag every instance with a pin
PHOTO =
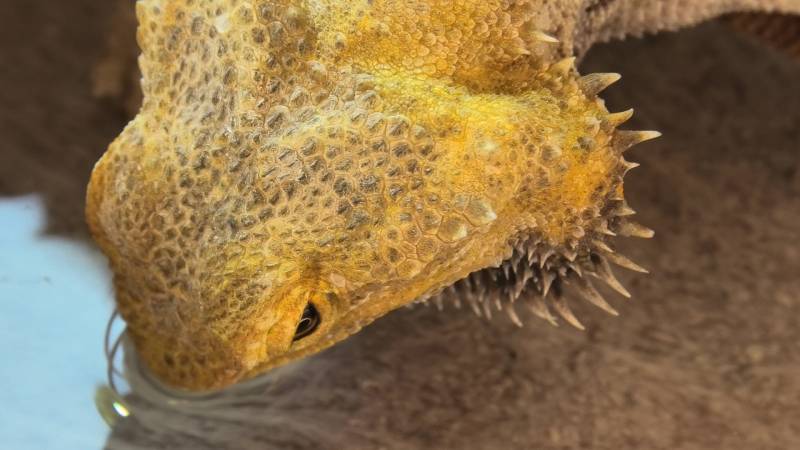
x=706, y=356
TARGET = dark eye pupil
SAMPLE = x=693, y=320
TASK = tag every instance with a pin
x=308, y=322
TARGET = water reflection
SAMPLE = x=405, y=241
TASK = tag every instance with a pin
x=54, y=300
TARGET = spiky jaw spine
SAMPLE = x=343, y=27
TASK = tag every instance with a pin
x=542, y=274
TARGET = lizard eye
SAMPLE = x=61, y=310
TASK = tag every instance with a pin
x=308, y=322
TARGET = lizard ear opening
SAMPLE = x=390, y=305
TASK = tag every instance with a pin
x=309, y=322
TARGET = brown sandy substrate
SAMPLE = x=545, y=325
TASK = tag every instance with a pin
x=706, y=356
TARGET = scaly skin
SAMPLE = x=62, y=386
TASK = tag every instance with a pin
x=356, y=156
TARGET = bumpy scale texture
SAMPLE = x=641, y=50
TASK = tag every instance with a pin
x=356, y=156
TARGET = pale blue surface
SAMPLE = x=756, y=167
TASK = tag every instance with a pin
x=55, y=298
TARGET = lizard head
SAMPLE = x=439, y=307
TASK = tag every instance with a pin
x=299, y=169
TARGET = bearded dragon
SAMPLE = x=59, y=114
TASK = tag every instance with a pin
x=300, y=168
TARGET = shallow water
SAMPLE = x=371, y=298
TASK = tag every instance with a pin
x=54, y=301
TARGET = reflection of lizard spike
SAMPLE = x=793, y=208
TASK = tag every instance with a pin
x=632, y=229
x=594, y=83
x=623, y=261
x=604, y=273
x=560, y=305
x=587, y=290
x=625, y=139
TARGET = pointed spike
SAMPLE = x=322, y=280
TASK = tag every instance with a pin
x=564, y=66
x=473, y=304
x=512, y=314
x=592, y=212
x=569, y=254
x=625, y=139
x=595, y=83
x=452, y=296
x=618, y=194
x=624, y=262
x=509, y=291
x=539, y=308
x=497, y=300
x=519, y=285
x=487, y=308
x=544, y=37
x=560, y=305
x=494, y=275
x=474, y=283
x=628, y=166
x=465, y=284
x=603, y=228
x=602, y=246
x=587, y=290
x=439, y=302
x=531, y=255
x=604, y=273
x=632, y=229
x=481, y=294
x=575, y=268
x=543, y=259
x=618, y=118
x=547, y=282
x=624, y=210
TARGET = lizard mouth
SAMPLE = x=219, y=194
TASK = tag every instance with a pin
x=543, y=277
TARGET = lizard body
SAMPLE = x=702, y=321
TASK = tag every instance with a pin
x=300, y=168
